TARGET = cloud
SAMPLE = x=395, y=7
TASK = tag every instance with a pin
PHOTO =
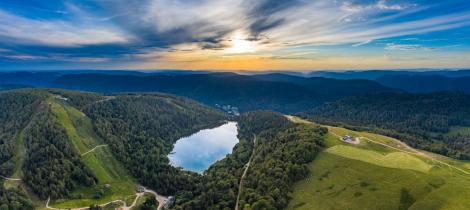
x=104, y=30
x=382, y=4
x=406, y=47
x=21, y=30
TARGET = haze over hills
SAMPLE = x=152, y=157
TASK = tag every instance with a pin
x=285, y=93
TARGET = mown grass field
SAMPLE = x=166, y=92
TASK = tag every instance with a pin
x=373, y=176
x=113, y=178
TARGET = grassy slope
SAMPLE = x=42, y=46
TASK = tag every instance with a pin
x=101, y=161
x=372, y=176
x=458, y=130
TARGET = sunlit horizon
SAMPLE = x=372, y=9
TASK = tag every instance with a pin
x=227, y=35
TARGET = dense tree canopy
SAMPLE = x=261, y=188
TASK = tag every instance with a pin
x=141, y=130
x=53, y=167
x=13, y=199
x=421, y=120
x=17, y=108
x=279, y=155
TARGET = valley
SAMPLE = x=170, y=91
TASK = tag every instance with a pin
x=272, y=161
x=234, y=105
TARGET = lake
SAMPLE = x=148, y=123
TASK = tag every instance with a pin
x=202, y=149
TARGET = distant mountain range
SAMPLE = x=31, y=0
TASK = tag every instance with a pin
x=284, y=92
x=277, y=92
x=426, y=83
x=376, y=74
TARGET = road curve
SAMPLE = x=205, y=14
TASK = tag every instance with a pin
x=161, y=199
x=161, y=202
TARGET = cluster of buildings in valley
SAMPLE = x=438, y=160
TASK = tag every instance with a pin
x=233, y=110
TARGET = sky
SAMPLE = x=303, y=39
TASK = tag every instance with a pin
x=234, y=34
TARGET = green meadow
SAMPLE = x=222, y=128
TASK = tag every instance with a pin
x=114, y=182
x=373, y=176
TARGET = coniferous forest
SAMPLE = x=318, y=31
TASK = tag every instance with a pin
x=141, y=129
x=421, y=120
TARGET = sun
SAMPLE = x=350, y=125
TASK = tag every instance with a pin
x=240, y=44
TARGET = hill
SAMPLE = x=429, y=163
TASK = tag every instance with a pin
x=425, y=121
x=278, y=92
x=375, y=74
x=55, y=144
x=426, y=83
x=329, y=87
x=292, y=94
x=271, y=156
x=380, y=173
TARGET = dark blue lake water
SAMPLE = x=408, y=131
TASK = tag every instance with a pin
x=200, y=150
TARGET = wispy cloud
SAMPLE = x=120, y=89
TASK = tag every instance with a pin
x=149, y=30
x=21, y=30
x=406, y=47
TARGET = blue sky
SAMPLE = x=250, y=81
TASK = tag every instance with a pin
x=234, y=34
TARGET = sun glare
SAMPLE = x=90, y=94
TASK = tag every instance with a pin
x=240, y=44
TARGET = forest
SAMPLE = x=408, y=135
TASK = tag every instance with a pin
x=279, y=155
x=17, y=109
x=53, y=167
x=141, y=130
x=421, y=120
x=14, y=199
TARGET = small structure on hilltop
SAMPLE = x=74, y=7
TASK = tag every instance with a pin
x=140, y=189
x=61, y=97
x=347, y=138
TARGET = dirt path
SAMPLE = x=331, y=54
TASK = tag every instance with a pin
x=161, y=202
x=85, y=208
x=103, y=145
x=10, y=179
x=413, y=150
x=416, y=152
x=247, y=166
x=161, y=199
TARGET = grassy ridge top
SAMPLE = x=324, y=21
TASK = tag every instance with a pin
x=380, y=173
x=113, y=178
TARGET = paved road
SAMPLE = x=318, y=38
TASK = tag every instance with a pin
x=103, y=145
x=247, y=166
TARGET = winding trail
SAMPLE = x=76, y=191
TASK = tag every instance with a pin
x=10, y=179
x=412, y=151
x=161, y=199
x=85, y=208
x=247, y=166
x=103, y=145
x=161, y=202
x=416, y=152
